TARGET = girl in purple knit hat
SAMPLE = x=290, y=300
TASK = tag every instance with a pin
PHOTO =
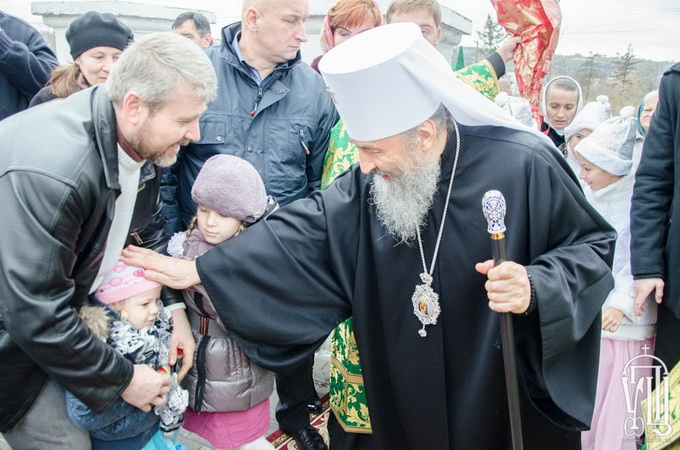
x=228, y=393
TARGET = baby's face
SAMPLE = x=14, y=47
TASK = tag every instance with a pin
x=142, y=309
x=215, y=227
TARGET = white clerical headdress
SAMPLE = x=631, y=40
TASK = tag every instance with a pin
x=389, y=79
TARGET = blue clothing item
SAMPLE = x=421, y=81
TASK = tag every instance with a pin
x=121, y=421
x=160, y=442
x=281, y=126
x=641, y=130
x=142, y=440
x=239, y=55
x=26, y=62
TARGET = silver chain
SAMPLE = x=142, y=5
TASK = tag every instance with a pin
x=446, y=207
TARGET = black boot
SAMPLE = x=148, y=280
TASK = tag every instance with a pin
x=309, y=439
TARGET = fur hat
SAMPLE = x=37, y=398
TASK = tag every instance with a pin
x=123, y=282
x=590, y=117
x=610, y=146
x=232, y=187
x=94, y=29
x=517, y=107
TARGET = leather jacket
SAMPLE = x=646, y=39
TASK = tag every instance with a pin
x=58, y=189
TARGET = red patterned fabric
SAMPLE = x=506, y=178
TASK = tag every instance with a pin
x=538, y=24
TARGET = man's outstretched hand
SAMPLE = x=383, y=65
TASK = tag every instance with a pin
x=169, y=271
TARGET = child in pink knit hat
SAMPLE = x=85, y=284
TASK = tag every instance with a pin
x=132, y=320
x=228, y=393
x=127, y=291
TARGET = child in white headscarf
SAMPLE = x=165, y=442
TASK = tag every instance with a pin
x=585, y=122
x=607, y=170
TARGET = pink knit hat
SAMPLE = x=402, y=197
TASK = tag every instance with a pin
x=123, y=282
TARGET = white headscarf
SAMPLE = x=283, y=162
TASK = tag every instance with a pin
x=544, y=100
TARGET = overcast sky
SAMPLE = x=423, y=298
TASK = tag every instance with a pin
x=602, y=26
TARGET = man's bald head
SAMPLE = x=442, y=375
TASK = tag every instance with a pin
x=272, y=32
x=261, y=5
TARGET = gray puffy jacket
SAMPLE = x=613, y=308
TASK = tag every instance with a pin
x=222, y=377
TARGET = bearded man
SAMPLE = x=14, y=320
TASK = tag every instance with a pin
x=408, y=220
x=69, y=185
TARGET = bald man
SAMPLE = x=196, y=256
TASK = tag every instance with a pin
x=272, y=110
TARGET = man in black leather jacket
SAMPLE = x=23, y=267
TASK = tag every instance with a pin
x=67, y=210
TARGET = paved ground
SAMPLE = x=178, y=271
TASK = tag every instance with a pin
x=321, y=375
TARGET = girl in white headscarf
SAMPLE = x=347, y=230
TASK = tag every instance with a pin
x=607, y=169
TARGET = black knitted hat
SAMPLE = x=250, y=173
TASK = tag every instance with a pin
x=94, y=29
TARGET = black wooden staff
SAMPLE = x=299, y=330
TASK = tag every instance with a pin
x=493, y=205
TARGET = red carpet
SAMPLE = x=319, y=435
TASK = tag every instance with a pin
x=280, y=440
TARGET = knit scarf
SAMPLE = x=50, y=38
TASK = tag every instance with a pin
x=197, y=245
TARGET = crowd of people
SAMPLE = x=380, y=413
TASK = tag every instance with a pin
x=188, y=222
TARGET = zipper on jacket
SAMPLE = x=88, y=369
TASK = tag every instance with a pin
x=200, y=373
x=138, y=239
x=302, y=140
x=257, y=101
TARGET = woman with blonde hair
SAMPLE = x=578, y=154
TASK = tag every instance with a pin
x=96, y=40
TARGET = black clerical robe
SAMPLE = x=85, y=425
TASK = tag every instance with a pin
x=284, y=284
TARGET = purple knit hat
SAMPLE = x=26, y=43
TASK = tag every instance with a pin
x=232, y=187
x=123, y=282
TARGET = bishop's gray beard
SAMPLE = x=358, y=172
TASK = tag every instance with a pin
x=402, y=202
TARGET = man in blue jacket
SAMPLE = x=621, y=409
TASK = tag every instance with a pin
x=273, y=111
x=26, y=62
